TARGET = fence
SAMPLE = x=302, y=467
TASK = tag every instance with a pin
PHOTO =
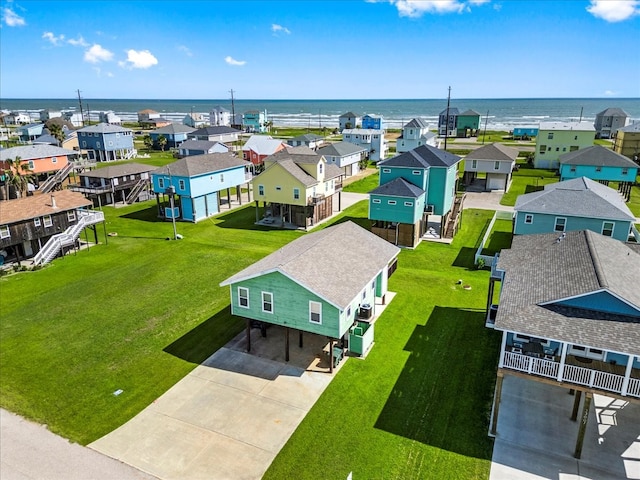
x=488, y=259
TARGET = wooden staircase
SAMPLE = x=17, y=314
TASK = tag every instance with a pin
x=56, y=179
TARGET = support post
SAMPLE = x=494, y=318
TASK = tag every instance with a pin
x=300, y=340
x=583, y=424
x=248, y=334
x=229, y=197
x=496, y=403
x=286, y=344
x=257, y=211
x=576, y=405
x=330, y=356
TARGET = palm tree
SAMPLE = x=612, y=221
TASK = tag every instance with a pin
x=148, y=141
x=162, y=141
x=57, y=132
x=18, y=176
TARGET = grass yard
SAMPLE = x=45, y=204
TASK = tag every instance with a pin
x=418, y=406
x=526, y=180
x=364, y=185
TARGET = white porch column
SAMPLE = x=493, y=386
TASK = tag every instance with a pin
x=502, y=349
x=563, y=357
x=627, y=374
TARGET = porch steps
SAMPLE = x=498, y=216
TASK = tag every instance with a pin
x=135, y=191
x=56, y=179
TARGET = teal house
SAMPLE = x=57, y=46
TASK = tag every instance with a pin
x=600, y=164
x=196, y=183
x=468, y=123
x=577, y=204
x=413, y=185
x=305, y=287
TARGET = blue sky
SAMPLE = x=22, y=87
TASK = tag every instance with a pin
x=319, y=49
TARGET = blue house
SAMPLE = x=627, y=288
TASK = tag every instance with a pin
x=176, y=133
x=373, y=122
x=27, y=133
x=522, y=133
x=601, y=164
x=197, y=182
x=434, y=173
x=104, y=142
x=576, y=204
x=254, y=121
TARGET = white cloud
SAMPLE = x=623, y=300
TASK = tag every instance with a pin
x=78, y=42
x=614, y=10
x=232, y=61
x=49, y=36
x=12, y=19
x=97, y=54
x=186, y=50
x=609, y=93
x=110, y=75
x=416, y=8
x=275, y=28
x=139, y=59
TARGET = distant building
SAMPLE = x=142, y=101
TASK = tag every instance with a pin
x=557, y=138
x=49, y=114
x=372, y=140
x=349, y=120
x=75, y=118
x=17, y=118
x=215, y=134
x=627, y=141
x=467, y=124
x=194, y=120
x=310, y=140
x=191, y=148
x=259, y=147
x=146, y=115
x=525, y=132
x=414, y=134
x=255, y=121
x=447, y=121
x=373, y=122
x=106, y=143
x=609, y=121
x=175, y=134
x=109, y=117
x=345, y=155
x=28, y=133
x=219, y=117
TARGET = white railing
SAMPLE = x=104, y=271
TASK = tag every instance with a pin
x=635, y=233
x=571, y=374
x=488, y=259
x=56, y=178
x=68, y=237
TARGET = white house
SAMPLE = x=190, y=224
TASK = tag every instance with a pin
x=496, y=161
x=110, y=118
x=557, y=138
x=220, y=117
x=349, y=120
x=17, y=118
x=49, y=114
x=414, y=134
x=194, y=120
x=75, y=118
x=372, y=140
x=609, y=121
x=345, y=155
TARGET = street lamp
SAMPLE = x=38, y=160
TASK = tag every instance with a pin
x=171, y=191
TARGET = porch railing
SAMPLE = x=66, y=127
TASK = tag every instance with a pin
x=571, y=374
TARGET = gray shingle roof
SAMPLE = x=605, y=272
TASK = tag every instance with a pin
x=220, y=130
x=341, y=149
x=309, y=261
x=174, y=128
x=494, y=151
x=540, y=270
x=349, y=115
x=33, y=152
x=416, y=123
x=203, y=145
x=452, y=111
x=634, y=127
x=104, y=128
x=307, y=137
x=612, y=112
x=578, y=197
x=398, y=187
x=202, y=164
x=470, y=113
x=597, y=156
x=424, y=156
x=114, y=171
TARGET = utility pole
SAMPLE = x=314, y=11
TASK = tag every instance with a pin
x=80, y=102
x=446, y=126
x=581, y=109
x=233, y=109
x=485, y=126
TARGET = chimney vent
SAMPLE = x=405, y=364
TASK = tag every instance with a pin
x=53, y=202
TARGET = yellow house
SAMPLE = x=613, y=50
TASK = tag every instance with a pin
x=297, y=188
x=627, y=141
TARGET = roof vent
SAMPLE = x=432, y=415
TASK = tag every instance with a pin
x=53, y=202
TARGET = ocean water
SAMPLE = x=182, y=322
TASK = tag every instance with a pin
x=499, y=114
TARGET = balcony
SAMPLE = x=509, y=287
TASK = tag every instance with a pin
x=599, y=375
x=315, y=199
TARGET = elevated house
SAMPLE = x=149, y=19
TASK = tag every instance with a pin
x=146, y=115
x=194, y=120
x=372, y=140
x=175, y=134
x=45, y=115
x=16, y=118
x=600, y=164
x=349, y=120
x=200, y=147
x=310, y=140
x=219, y=117
x=28, y=224
x=415, y=133
x=298, y=189
x=109, y=117
x=627, y=142
x=126, y=183
x=569, y=313
x=307, y=289
x=345, y=155
x=106, y=143
x=525, y=132
x=215, y=134
x=609, y=121
x=557, y=138
x=496, y=161
x=467, y=124
x=255, y=121
x=194, y=185
x=29, y=132
x=447, y=122
x=259, y=147
x=575, y=204
x=372, y=122
x=413, y=185
x=74, y=118
x=154, y=123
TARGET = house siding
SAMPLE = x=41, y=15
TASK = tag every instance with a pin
x=397, y=212
x=421, y=180
x=613, y=174
x=560, y=144
x=601, y=302
x=441, y=188
x=545, y=223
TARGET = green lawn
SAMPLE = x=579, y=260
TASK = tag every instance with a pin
x=364, y=185
x=418, y=406
x=526, y=180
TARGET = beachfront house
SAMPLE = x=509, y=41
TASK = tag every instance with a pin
x=16, y=118
x=467, y=124
x=219, y=117
x=175, y=134
x=109, y=117
x=28, y=133
x=349, y=120
x=255, y=121
x=447, y=121
x=259, y=147
x=297, y=188
x=627, y=141
x=495, y=162
x=569, y=313
x=215, y=134
x=74, y=118
x=190, y=148
x=413, y=185
x=557, y=138
x=372, y=140
x=194, y=120
x=310, y=140
x=525, y=132
x=144, y=116
x=372, y=122
x=414, y=134
x=344, y=155
x=46, y=115
x=198, y=183
x=609, y=121
x=106, y=143
x=127, y=183
x=305, y=287
x=600, y=164
x=575, y=204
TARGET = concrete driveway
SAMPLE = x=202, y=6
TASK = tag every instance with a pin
x=536, y=438
x=229, y=417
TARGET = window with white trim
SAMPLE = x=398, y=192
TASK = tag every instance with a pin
x=408, y=204
x=598, y=168
x=243, y=297
x=416, y=172
x=181, y=184
x=572, y=169
x=37, y=222
x=315, y=312
x=560, y=224
x=161, y=183
x=496, y=165
x=48, y=222
x=71, y=215
x=474, y=163
x=625, y=171
x=296, y=193
x=260, y=189
x=391, y=202
x=4, y=231
x=375, y=200
x=32, y=165
x=54, y=159
x=607, y=229
x=386, y=170
x=267, y=302
x=528, y=218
